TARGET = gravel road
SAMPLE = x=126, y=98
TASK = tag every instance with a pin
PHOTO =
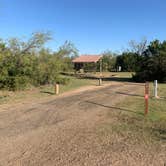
x=62, y=131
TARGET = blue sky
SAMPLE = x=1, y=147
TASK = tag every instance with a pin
x=92, y=25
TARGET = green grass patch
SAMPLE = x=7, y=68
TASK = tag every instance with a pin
x=74, y=83
x=125, y=74
x=131, y=123
x=157, y=107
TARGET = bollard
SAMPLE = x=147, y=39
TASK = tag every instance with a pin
x=146, y=97
x=100, y=81
x=56, y=89
x=155, y=89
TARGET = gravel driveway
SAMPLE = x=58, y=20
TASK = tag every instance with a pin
x=62, y=131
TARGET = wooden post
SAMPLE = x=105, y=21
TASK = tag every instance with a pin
x=146, y=97
x=100, y=79
x=56, y=89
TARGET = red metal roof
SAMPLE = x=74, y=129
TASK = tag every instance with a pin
x=87, y=59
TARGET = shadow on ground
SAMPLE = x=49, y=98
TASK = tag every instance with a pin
x=47, y=92
x=118, y=79
x=113, y=107
x=129, y=94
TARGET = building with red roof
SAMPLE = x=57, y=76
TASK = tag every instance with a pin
x=87, y=59
x=81, y=61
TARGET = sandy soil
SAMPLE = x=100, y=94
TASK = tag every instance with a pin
x=64, y=132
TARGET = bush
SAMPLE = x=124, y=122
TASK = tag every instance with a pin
x=140, y=77
x=27, y=62
x=14, y=83
x=152, y=63
x=63, y=80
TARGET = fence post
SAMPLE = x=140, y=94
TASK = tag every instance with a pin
x=146, y=97
x=100, y=79
x=155, y=89
x=56, y=89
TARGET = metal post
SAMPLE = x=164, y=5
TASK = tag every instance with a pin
x=100, y=81
x=155, y=89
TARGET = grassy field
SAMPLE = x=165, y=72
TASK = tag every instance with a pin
x=157, y=107
x=131, y=123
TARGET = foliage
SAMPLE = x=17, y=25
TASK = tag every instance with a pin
x=147, y=61
x=128, y=61
x=152, y=64
x=24, y=63
x=138, y=47
x=108, y=61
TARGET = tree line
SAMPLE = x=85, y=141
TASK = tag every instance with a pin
x=26, y=63
x=148, y=61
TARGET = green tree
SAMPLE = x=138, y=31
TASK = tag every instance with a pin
x=153, y=63
x=18, y=61
x=108, y=61
x=128, y=61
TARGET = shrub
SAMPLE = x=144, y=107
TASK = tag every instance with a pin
x=62, y=80
x=14, y=83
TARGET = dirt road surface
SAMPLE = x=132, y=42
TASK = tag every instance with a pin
x=63, y=132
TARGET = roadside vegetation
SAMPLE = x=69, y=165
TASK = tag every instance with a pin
x=28, y=63
x=43, y=91
x=136, y=128
x=48, y=90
